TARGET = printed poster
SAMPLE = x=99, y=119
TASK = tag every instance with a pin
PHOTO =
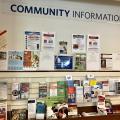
x=15, y=60
x=46, y=60
x=80, y=61
x=106, y=61
x=116, y=61
x=93, y=43
x=93, y=61
x=31, y=60
x=78, y=43
x=32, y=40
x=3, y=60
x=3, y=40
x=63, y=47
x=63, y=62
x=48, y=39
x=3, y=110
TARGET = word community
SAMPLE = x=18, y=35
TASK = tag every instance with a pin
x=68, y=13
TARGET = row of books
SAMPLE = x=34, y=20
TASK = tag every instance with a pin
x=76, y=91
x=33, y=60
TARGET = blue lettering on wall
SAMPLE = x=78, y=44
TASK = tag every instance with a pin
x=64, y=13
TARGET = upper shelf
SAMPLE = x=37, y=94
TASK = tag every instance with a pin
x=54, y=73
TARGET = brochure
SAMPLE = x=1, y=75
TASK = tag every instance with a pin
x=15, y=60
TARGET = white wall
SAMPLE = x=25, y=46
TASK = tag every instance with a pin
x=64, y=27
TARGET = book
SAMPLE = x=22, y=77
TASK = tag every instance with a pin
x=15, y=91
x=80, y=61
x=40, y=109
x=3, y=91
x=3, y=110
x=63, y=62
x=31, y=108
x=24, y=90
x=19, y=114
